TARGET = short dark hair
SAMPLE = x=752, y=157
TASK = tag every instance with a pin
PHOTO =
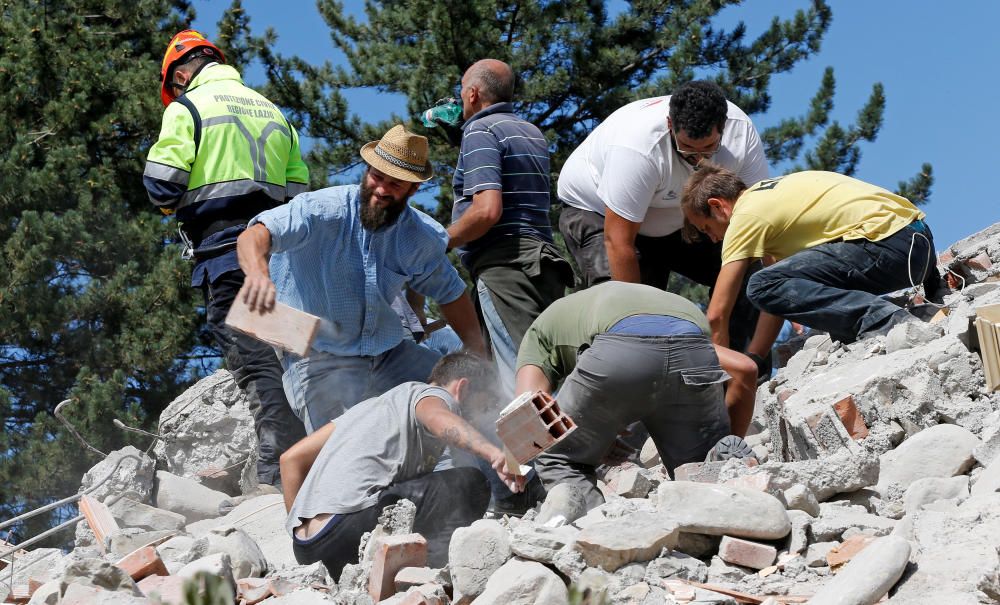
x=496, y=86
x=479, y=372
x=710, y=180
x=697, y=107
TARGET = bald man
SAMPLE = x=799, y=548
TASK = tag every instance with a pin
x=500, y=218
x=500, y=224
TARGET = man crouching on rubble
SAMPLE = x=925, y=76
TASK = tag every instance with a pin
x=624, y=353
x=338, y=479
x=839, y=243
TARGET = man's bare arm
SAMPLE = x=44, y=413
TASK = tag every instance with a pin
x=531, y=378
x=252, y=249
x=483, y=213
x=727, y=290
x=461, y=316
x=452, y=429
x=298, y=459
x=741, y=391
x=619, y=240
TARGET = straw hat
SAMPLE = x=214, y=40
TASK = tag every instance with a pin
x=400, y=154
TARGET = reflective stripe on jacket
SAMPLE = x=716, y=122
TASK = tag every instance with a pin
x=224, y=153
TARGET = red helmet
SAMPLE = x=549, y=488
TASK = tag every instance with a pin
x=180, y=45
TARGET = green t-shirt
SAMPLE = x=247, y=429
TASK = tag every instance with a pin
x=553, y=341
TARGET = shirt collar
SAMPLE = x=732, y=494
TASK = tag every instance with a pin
x=505, y=107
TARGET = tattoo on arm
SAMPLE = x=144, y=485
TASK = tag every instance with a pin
x=463, y=436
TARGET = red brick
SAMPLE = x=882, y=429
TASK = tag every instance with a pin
x=532, y=424
x=853, y=421
x=746, y=553
x=981, y=262
x=757, y=482
x=393, y=553
x=427, y=594
x=847, y=550
x=253, y=590
x=169, y=588
x=143, y=562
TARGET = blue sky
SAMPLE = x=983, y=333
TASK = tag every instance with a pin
x=937, y=65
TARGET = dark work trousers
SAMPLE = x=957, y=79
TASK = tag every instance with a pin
x=834, y=287
x=671, y=384
x=258, y=373
x=698, y=261
x=446, y=500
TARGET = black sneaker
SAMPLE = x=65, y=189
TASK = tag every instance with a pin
x=728, y=447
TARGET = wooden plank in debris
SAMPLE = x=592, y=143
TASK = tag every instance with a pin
x=99, y=518
x=283, y=327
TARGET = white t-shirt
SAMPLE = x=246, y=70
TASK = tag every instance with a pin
x=628, y=164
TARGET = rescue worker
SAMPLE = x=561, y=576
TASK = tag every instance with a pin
x=225, y=153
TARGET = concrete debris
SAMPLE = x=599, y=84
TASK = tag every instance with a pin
x=944, y=450
x=98, y=574
x=634, y=537
x=476, y=553
x=869, y=576
x=723, y=510
x=931, y=489
x=186, y=497
x=130, y=513
x=879, y=477
x=208, y=436
x=523, y=583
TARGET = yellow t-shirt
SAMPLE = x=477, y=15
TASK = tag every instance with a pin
x=785, y=215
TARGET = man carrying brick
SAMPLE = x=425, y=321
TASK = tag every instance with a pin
x=338, y=479
x=622, y=353
x=343, y=254
x=839, y=243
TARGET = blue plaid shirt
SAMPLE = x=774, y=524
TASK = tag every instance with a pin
x=325, y=263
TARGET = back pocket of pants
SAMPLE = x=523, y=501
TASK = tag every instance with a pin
x=703, y=377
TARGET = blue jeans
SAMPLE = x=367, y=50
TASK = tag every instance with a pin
x=504, y=351
x=323, y=386
x=835, y=286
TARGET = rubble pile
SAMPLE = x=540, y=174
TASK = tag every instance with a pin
x=878, y=475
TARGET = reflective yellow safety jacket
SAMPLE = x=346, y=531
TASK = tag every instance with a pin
x=225, y=153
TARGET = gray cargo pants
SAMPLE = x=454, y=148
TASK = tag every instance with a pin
x=672, y=384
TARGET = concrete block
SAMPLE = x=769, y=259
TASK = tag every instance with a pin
x=869, y=576
x=722, y=510
x=524, y=583
x=393, y=553
x=943, y=450
x=745, y=553
x=474, y=554
x=699, y=472
x=130, y=513
x=616, y=542
x=632, y=484
x=408, y=577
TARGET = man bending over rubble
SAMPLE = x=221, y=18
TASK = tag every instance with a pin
x=338, y=479
x=838, y=242
x=343, y=254
x=627, y=353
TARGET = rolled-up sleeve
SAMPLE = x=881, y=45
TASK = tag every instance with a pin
x=439, y=280
x=289, y=224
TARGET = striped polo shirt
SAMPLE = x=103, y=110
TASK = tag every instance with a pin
x=502, y=151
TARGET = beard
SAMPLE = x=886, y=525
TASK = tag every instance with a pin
x=374, y=217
